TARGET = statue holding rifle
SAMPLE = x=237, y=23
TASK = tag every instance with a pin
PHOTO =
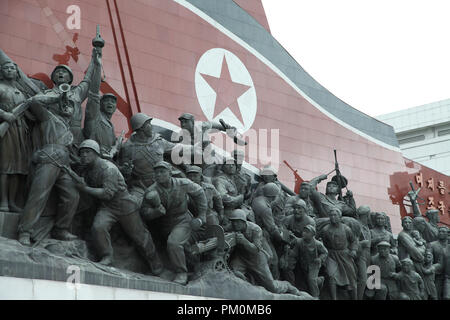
x=15, y=140
x=345, y=204
x=54, y=110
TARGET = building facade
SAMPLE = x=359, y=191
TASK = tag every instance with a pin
x=423, y=133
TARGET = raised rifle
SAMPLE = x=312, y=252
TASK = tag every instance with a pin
x=116, y=147
x=235, y=137
x=298, y=179
x=415, y=203
x=338, y=175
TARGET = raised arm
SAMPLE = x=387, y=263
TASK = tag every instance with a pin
x=91, y=78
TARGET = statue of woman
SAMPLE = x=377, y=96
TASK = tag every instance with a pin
x=379, y=233
x=15, y=145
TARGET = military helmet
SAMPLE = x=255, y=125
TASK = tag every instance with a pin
x=300, y=203
x=268, y=171
x=238, y=214
x=271, y=190
x=64, y=67
x=90, y=144
x=138, y=120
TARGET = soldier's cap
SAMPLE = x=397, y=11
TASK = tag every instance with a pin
x=228, y=160
x=431, y=211
x=194, y=169
x=310, y=228
x=363, y=210
x=342, y=179
x=383, y=244
x=186, y=116
x=64, y=67
x=407, y=261
x=163, y=164
x=332, y=182
x=108, y=95
x=7, y=61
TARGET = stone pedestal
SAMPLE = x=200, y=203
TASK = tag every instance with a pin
x=8, y=224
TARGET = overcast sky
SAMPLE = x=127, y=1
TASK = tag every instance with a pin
x=378, y=56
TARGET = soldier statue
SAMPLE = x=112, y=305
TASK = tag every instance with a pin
x=310, y=254
x=364, y=244
x=248, y=256
x=98, y=125
x=411, y=285
x=428, y=229
x=389, y=264
x=177, y=223
x=104, y=182
x=140, y=153
x=441, y=253
x=215, y=205
x=329, y=200
x=226, y=186
x=272, y=231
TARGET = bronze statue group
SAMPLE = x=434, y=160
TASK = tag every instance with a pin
x=319, y=243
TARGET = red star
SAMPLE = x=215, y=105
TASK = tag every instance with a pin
x=227, y=91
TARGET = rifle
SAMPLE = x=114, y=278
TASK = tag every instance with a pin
x=17, y=111
x=116, y=147
x=298, y=179
x=338, y=175
x=235, y=137
x=67, y=169
x=415, y=191
x=415, y=203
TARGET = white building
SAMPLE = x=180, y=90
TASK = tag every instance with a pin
x=423, y=133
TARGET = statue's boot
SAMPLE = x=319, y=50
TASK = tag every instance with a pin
x=181, y=278
x=14, y=208
x=4, y=207
x=24, y=239
x=106, y=260
x=63, y=234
